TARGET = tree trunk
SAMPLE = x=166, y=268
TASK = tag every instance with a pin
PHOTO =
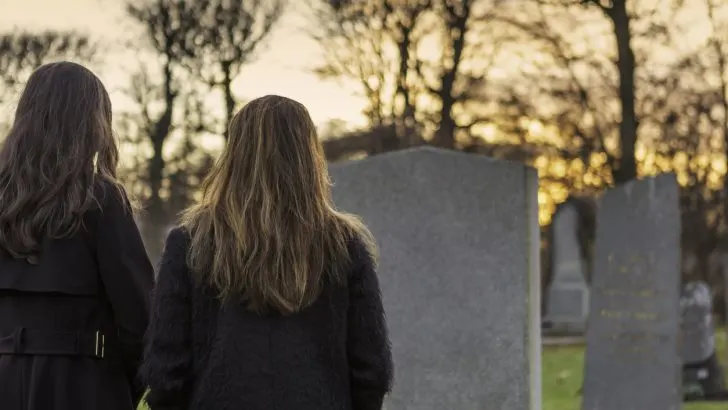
x=155, y=217
x=627, y=168
x=156, y=176
x=229, y=98
x=406, y=128
x=458, y=27
x=154, y=223
x=445, y=134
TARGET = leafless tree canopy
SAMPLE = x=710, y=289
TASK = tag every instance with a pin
x=21, y=52
x=590, y=92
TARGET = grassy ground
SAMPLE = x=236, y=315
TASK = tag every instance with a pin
x=563, y=372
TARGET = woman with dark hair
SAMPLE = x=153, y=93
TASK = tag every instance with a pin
x=267, y=296
x=74, y=275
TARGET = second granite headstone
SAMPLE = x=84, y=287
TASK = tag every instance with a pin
x=632, y=356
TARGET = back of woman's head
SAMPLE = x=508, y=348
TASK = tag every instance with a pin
x=265, y=230
x=61, y=137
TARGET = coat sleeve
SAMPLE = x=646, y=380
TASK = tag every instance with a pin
x=167, y=367
x=369, y=352
x=127, y=277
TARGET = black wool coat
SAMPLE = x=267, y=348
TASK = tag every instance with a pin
x=94, y=283
x=333, y=355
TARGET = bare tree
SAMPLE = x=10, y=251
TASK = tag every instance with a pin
x=681, y=106
x=616, y=11
x=24, y=51
x=718, y=44
x=169, y=32
x=595, y=87
x=185, y=159
x=566, y=88
x=373, y=43
x=457, y=18
x=228, y=36
x=381, y=45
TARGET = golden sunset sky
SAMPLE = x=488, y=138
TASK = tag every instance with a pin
x=284, y=67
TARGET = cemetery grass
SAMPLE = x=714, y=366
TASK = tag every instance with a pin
x=563, y=372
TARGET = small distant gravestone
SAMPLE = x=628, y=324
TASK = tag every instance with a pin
x=567, y=303
x=702, y=373
x=459, y=258
x=632, y=356
x=698, y=340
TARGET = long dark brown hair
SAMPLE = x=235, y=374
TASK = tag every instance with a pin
x=265, y=230
x=61, y=140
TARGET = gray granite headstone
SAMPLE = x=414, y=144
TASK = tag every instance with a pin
x=698, y=338
x=567, y=304
x=632, y=355
x=702, y=372
x=459, y=259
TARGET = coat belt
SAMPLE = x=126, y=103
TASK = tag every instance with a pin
x=23, y=341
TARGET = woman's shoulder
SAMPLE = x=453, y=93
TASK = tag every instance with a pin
x=111, y=196
x=362, y=249
x=109, y=204
x=361, y=244
x=177, y=243
x=178, y=235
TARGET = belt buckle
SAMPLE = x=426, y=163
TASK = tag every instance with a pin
x=99, y=345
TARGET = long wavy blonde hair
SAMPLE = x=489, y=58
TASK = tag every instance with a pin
x=265, y=229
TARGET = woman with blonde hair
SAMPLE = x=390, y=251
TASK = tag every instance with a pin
x=267, y=297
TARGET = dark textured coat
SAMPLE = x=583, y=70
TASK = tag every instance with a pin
x=333, y=355
x=99, y=279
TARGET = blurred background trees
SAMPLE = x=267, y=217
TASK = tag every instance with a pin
x=589, y=92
